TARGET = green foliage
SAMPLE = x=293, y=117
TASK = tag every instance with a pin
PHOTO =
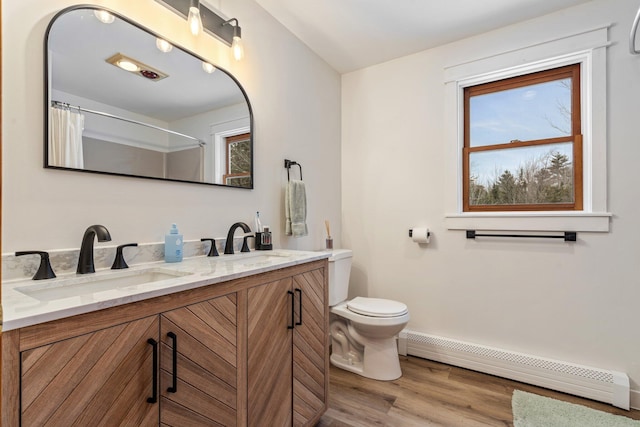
x=539, y=181
x=240, y=157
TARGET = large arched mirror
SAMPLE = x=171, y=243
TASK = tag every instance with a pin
x=120, y=100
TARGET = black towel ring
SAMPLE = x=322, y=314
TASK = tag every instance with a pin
x=288, y=163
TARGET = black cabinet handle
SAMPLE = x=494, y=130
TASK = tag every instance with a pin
x=174, y=387
x=298, y=290
x=154, y=344
x=293, y=310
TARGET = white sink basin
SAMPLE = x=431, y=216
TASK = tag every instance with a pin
x=258, y=259
x=91, y=284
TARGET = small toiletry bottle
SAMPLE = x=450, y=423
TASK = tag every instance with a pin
x=173, y=245
x=258, y=224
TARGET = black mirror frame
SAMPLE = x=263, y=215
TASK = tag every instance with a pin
x=153, y=33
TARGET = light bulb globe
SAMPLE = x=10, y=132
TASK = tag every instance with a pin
x=104, y=16
x=163, y=45
x=238, y=49
x=195, y=21
x=208, y=68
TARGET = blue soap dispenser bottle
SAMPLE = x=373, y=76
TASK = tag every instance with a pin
x=173, y=245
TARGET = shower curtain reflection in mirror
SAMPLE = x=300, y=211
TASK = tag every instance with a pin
x=65, y=142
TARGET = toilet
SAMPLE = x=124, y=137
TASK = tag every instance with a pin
x=363, y=330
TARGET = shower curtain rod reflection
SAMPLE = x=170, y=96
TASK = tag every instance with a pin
x=201, y=143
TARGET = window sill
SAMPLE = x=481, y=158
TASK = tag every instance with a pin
x=530, y=221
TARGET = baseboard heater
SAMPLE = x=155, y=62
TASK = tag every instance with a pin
x=597, y=384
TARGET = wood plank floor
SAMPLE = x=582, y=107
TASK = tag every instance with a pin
x=431, y=394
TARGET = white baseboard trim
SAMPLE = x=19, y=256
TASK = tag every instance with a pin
x=634, y=400
x=593, y=383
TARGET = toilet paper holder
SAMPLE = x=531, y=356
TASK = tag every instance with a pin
x=428, y=235
x=411, y=233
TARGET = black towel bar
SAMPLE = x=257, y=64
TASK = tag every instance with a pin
x=568, y=236
x=288, y=163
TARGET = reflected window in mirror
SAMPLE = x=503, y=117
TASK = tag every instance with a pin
x=238, y=164
x=120, y=102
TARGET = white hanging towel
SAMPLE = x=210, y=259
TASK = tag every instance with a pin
x=295, y=209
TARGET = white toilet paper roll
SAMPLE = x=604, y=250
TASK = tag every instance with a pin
x=420, y=235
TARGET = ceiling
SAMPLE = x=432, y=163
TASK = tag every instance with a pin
x=353, y=34
x=79, y=44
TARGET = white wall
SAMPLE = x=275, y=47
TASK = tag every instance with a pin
x=573, y=302
x=296, y=104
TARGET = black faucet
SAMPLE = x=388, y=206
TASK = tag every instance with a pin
x=85, y=260
x=228, y=247
x=44, y=271
x=119, y=262
x=213, y=251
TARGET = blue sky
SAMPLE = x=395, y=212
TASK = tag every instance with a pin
x=527, y=113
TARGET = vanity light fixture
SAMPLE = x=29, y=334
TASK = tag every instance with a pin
x=136, y=67
x=226, y=30
x=163, y=45
x=194, y=19
x=208, y=68
x=104, y=16
x=236, y=44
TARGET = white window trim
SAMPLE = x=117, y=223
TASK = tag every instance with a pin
x=587, y=48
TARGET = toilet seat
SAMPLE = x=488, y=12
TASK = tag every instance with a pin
x=377, y=307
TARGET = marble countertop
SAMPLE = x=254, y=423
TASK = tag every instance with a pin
x=29, y=302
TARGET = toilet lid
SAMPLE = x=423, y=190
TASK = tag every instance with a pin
x=377, y=307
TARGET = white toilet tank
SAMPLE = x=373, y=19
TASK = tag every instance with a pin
x=339, y=271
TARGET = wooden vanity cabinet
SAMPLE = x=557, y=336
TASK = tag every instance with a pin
x=224, y=356
x=99, y=378
x=107, y=377
x=198, y=375
x=311, y=349
x=287, y=351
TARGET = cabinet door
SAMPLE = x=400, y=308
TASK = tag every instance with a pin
x=310, y=351
x=269, y=344
x=203, y=336
x=98, y=379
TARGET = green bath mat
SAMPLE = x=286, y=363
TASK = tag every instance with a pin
x=531, y=410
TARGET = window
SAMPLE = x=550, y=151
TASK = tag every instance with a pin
x=238, y=160
x=586, y=50
x=523, y=144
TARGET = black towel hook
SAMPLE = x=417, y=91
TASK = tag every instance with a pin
x=288, y=163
